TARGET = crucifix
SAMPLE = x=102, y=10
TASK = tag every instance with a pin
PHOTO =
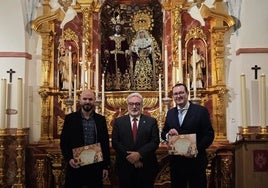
x=11, y=71
x=256, y=68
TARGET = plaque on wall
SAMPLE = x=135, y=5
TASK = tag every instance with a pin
x=184, y=144
x=88, y=154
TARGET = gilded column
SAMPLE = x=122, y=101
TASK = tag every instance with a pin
x=88, y=7
x=42, y=25
x=218, y=28
x=176, y=7
x=45, y=115
x=40, y=179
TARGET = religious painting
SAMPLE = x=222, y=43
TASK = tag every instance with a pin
x=131, y=54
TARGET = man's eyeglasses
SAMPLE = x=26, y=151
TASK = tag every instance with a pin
x=179, y=93
x=137, y=104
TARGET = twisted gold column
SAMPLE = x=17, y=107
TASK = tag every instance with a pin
x=19, y=159
x=2, y=156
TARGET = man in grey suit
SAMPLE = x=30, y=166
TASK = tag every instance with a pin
x=135, y=147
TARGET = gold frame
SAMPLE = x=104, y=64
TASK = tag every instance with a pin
x=220, y=22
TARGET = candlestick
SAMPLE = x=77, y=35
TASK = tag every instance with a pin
x=160, y=94
x=3, y=103
x=88, y=75
x=70, y=72
x=263, y=100
x=75, y=92
x=166, y=72
x=102, y=94
x=243, y=100
x=19, y=94
x=180, y=61
x=97, y=73
x=188, y=86
x=174, y=74
x=83, y=66
x=194, y=71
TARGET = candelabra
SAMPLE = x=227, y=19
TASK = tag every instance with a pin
x=196, y=100
x=166, y=101
x=69, y=103
x=97, y=104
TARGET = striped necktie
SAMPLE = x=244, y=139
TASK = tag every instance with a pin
x=134, y=129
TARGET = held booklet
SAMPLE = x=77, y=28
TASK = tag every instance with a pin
x=88, y=154
x=184, y=144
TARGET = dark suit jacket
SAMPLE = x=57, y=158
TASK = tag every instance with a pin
x=197, y=120
x=72, y=136
x=147, y=141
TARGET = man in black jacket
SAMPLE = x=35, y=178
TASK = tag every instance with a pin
x=188, y=169
x=81, y=128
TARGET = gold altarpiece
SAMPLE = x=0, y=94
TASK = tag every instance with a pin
x=167, y=23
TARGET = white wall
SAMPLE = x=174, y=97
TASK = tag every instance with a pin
x=16, y=38
x=251, y=34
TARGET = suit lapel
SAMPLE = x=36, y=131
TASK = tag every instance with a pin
x=141, y=125
x=188, y=115
x=127, y=123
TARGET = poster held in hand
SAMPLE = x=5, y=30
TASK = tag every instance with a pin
x=88, y=154
x=184, y=144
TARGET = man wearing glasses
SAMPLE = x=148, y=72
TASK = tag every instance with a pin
x=188, y=118
x=135, y=138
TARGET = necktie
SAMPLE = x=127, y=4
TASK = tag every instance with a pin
x=134, y=129
x=180, y=115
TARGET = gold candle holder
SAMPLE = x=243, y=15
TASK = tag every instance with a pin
x=69, y=103
x=196, y=100
x=19, y=159
x=244, y=132
x=263, y=133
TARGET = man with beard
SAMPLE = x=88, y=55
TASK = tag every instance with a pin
x=135, y=138
x=81, y=128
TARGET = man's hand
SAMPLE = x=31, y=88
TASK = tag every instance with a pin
x=74, y=163
x=133, y=156
x=173, y=132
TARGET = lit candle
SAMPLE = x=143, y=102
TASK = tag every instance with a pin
x=194, y=71
x=174, y=74
x=243, y=100
x=166, y=72
x=102, y=94
x=88, y=75
x=70, y=72
x=263, y=100
x=19, y=94
x=160, y=94
x=97, y=73
x=75, y=92
x=180, y=61
x=83, y=66
x=188, y=86
x=3, y=103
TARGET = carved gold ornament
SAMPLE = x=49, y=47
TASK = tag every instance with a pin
x=142, y=20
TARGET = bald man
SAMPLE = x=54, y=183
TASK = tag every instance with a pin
x=81, y=128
